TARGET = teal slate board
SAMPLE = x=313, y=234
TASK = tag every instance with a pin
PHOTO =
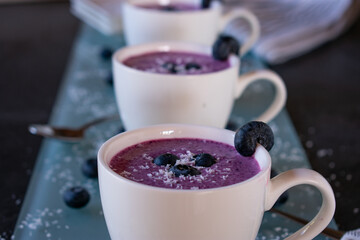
x=84, y=96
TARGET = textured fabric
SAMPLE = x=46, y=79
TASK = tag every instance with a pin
x=352, y=235
x=291, y=28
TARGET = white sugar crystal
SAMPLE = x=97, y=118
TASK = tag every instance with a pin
x=36, y=223
x=159, y=61
x=125, y=173
x=168, y=174
x=209, y=170
x=147, y=157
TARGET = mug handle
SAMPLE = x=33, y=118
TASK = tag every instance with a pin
x=291, y=178
x=279, y=101
x=251, y=19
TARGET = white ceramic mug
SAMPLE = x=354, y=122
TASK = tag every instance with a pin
x=202, y=26
x=147, y=98
x=134, y=211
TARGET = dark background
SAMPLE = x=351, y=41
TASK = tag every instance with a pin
x=323, y=103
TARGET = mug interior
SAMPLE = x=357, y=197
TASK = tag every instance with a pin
x=137, y=50
x=172, y=131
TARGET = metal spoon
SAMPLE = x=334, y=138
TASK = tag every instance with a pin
x=66, y=134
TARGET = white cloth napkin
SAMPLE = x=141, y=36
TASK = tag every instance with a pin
x=291, y=28
x=352, y=235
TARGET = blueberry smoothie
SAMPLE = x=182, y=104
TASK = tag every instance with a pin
x=182, y=63
x=171, y=7
x=184, y=163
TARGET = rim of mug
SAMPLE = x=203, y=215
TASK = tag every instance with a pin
x=133, y=4
x=167, y=46
x=260, y=152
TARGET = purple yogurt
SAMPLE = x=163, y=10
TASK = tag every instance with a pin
x=173, y=62
x=136, y=163
x=171, y=7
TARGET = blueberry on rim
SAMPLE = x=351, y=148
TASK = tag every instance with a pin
x=204, y=160
x=184, y=170
x=224, y=46
x=166, y=159
x=251, y=134
x=76, y=197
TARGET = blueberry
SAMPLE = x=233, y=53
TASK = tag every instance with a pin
x=109, y=79
x=76, y=197
x=233, y=43
x=224, y=46
x=184, y=170
x=283, y=197
x=192, y=65
x=166, y=159
x=204, y=160
x=89, y=168
x=205, y=3
x=170, y=66
x=252, y=133
x=106, y=53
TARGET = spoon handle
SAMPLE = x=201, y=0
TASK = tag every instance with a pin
x=334, y=234
x=99, y=120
